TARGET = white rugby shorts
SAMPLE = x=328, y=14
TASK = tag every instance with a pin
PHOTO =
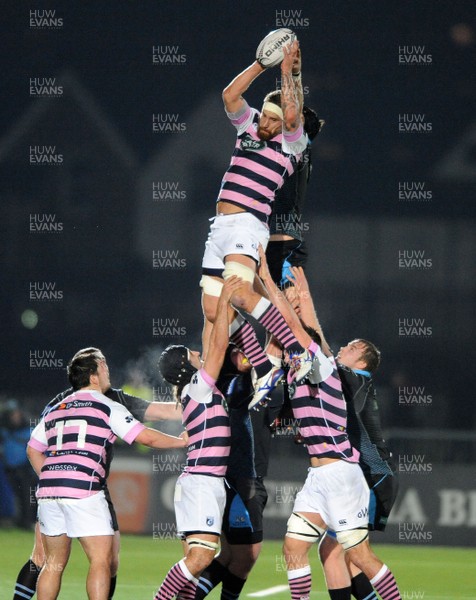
x=199, y=502
x=338, y=492
x=76, y=518
x=237, y=233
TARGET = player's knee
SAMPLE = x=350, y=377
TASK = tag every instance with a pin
x=242, y=564
x=300, y=528
x=329, y=548
x=198, y=559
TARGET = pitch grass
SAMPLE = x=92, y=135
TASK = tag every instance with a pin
x=423, y=572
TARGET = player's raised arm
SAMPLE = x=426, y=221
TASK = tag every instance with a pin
x=233, y=93
x=289, y=98
x=219, y=336
x=297, y=79
x=280, y=301
x=306, y=305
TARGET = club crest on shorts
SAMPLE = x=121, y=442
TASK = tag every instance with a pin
x=210, y=521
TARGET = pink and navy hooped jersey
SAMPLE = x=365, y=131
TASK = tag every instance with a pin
x=76, y=435
x=321, y=412
x=208, y=426
x=259, y=168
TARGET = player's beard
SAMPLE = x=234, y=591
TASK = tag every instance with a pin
x=264, y=135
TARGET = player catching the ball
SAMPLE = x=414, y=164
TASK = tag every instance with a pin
x=269, y=145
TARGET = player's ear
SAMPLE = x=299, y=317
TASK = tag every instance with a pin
x=94, y=378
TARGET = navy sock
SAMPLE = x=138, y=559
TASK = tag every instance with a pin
x=25, y=586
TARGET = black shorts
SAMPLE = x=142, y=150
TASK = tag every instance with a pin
x=243, y=517
x=284, y=254
x=383, y=491
x=114, y=523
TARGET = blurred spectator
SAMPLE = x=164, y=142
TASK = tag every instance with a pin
x=14, y=435
x=7, y=504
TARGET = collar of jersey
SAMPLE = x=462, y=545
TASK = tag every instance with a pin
x=362, y=372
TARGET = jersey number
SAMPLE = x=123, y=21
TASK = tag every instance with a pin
x=60, y=426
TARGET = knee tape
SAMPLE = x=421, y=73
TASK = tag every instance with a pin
x=300, y=528
x=352, y=537
x=236, y=268
x=202, y=543
x=211, y=286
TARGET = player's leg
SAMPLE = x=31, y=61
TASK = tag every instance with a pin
x=304, y=529
x=240, y=545
x=202, y=548
x=199, y=502
x=361, y=587
x=343, y=495
x=338, y=569
x=116, y=544
x=269, y=316
x=255, y=304
x=241, y=333
x=212, y=575
x=231, y=567
x=57, y=550
x=246, y=510
x=211, y=290
x=380, y=576
x=382, y=497
x=349, y=500
x=243, y=559
x=25, y=585
x=57, y=547
x=298, y=568
x=90, y=520
x=334, y=565
x=333, y=562
x=182, y=579
x=98, y=549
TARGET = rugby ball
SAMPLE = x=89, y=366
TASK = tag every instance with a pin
x=270, y=50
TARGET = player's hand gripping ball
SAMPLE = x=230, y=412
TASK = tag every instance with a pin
x=270, y=50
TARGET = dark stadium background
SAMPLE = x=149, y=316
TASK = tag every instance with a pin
x=358, y=227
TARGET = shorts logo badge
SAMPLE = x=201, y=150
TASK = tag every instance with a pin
x=210, y=521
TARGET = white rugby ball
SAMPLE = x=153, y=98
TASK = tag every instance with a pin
x=270, y=50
